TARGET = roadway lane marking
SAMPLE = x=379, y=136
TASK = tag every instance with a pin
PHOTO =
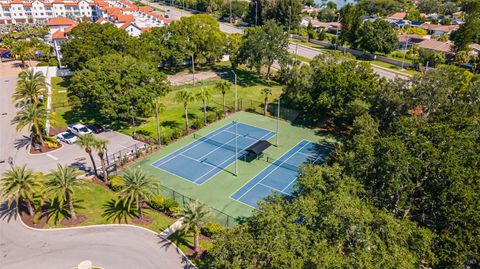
x=51, y=156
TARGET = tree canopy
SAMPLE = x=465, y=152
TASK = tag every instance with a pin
x=116, y=87
x=378, y=36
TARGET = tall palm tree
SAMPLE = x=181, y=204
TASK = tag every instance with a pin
x=266, y=92
x=205, y=95
x=87, y=143
x=30, y=86
x=100, y=146
x=23, y=50
x=223, y=87
x=185, y=97
x=158, y=108
x=137, y=187
x=20, y=184
x=195, y=216
x=62, y=185
x=32, y=116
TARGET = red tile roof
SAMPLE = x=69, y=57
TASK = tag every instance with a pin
x=398, y=16
x=60, y=21
x=433, y=44
x=59, y=35
x=146, y=29
x=145, y=9
x=125, y=18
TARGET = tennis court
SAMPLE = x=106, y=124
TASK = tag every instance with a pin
x=282, y=174
x=202, y=159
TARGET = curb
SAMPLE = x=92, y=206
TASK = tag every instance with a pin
x=390, y=70
x=104, y=225
x=45, y=153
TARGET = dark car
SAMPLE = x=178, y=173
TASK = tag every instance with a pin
x=96, y=128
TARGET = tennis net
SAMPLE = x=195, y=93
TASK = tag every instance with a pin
x=285, y=165
x=216, y=143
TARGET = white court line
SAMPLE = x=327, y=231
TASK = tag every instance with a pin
x=220, y=169
x=290, y=184
x=318, y=157
x=272, y=188
x=193, y=159
x=269, y=173
x=51, y=156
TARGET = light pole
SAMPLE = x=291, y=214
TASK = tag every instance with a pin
x=278, y=120
x=133, y=121
x=338, y=27
x=235, y=90
x=405, y=52
x=290, y=17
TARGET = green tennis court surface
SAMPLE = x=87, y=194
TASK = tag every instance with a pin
x=216, y=192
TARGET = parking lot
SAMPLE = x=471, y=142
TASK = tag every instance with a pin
x=74, y=155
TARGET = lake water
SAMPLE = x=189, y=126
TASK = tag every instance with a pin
x=340, y=3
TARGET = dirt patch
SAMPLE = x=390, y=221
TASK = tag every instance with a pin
x=73, y=222
x=183, y=79
x=143, y=221
x=43, y=149
x=29, y=221
x=55, y=130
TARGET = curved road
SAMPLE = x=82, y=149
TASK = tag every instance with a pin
x=111, y=247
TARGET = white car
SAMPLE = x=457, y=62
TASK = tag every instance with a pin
x=79, y=129
x=67, y=137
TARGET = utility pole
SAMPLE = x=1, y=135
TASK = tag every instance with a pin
x=235, y=101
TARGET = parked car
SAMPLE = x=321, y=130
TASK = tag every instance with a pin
x=95, y=128
x=67, y=137
x=79, y=129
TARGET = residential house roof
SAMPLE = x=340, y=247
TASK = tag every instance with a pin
x=410, y=38
x=398, y=16
x=60, y=21
x=432, y=44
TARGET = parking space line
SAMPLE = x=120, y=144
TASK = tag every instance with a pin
x=51, y=156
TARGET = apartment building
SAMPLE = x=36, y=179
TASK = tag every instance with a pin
x=35, y=11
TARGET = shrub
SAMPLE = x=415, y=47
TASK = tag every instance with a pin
x=53, y=62
x=165, y=205
x=52, y=145
x=115, y=183
x=219, y=114
x=176, y=133
x=211, y=117
x=212, y=229
x=197, y=124
x=166, y=138
x=43, y=63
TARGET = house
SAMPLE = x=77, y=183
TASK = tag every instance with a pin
x=475, y=49
x=397, y=16
x=407, y=41
x=438, y=29
x=58, y=33
x=435, y=45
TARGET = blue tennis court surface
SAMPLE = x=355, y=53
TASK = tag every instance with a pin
x=202, y=159
x=282, y=174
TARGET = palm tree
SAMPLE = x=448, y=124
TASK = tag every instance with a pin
x=62, y=184
x=33, y=116
x=266, y=92
x=223, y=87
x=100, y=146
x=30, y=86
x=138, y=187
x=205, y=95
x=185, y=97
x=195, y=216
x=87, y=143
x=20, y=184
x=158, y=108
x=23, y=50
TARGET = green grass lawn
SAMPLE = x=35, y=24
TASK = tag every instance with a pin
x=185, y=240
x=92, y=202
x=60, y=100
x=392, y=67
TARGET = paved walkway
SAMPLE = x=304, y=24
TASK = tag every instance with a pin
x=108, y=246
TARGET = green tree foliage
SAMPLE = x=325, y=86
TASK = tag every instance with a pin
x=199, y=35
x=88, y=142
x=418, y=157
x=30, y=86
x=110, y=85
x=137, y=187
x=239, y=9
x=24, y=49
x=326, y=224
x=327, y=14
x=262, y=46
x=62, y=185
x=33, y=117
x=185, y=97
x=90, y=40
x=195, y=217
x=431, y=58
x=20, y=184
x=279, y=11
x=380, y=7
x=445, y=7
x=329, y=85
x=351, y=18
x=469, y=32
x=378, y=36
